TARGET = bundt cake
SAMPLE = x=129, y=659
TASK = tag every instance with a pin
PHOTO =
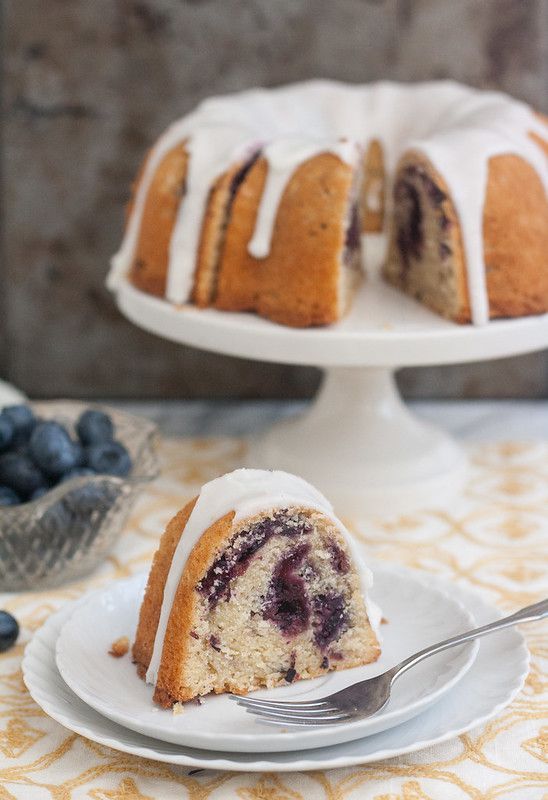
x=256, y=202
x=255, y=584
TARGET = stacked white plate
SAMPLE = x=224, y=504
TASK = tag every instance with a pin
x=70, y=674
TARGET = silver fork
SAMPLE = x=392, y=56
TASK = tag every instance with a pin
x=365, y=698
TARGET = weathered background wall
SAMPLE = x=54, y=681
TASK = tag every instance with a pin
x=89, y=85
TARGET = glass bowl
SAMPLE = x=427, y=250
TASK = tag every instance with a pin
x=67, y=532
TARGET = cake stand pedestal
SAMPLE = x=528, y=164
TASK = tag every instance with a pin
x=363, y=447
x=358, y=443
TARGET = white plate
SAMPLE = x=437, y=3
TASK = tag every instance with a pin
x=495, y=678
x=417, y=615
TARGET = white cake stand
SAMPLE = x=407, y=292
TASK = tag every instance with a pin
x=358, y=443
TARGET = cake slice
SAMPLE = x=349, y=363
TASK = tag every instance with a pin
x=255, y=584
x=426, y=255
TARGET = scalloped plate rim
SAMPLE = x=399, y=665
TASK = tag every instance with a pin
x=266, y=738
x=40, y=688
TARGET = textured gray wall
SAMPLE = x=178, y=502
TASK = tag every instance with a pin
x=89, y=85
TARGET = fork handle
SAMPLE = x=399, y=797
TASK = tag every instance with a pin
x=528, y=614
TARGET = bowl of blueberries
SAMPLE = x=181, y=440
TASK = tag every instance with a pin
x=69, y=475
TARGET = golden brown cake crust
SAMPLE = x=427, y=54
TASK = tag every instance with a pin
x=515, y=231
x=299, y=282
x=373, y=189
x=182, y=612
x=151, y=262
x=180, y=619
x=154, y=592
x=149, y=268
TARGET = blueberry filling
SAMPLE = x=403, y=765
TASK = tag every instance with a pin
x=330, y=618
x=444, y=222
x=240, y=176
x=215, y=643
x=444, y=250
x=286, y=603
x=435, y=194
x=410, y=234
x=291, y=672
x=353, y=234
x=215, y=585
x=290, y=675
x=339, y=559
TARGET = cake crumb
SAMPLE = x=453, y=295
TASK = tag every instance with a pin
x=120, y=647
x=178, y=708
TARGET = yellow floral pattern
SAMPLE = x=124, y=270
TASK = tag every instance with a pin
x=494, y=539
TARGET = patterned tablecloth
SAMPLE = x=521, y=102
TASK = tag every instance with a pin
x=494, y=539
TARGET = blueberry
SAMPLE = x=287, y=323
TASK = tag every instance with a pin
x=77, y=472
x=21, y=474
x=94, y=427
x=53, y=450
x=23, y=421
x=109, y=458
x=21, y=416
x=38, y=493
x=7, y=431
x=9, y=631
x=8, y=497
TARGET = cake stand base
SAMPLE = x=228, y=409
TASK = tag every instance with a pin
x=363, y=448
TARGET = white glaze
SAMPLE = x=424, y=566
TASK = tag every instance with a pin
x=459, y=129
x=247, y=492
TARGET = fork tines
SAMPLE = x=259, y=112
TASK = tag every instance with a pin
x=307, y=712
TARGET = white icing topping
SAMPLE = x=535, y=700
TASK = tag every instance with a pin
x=459, y=129
x=247, y=492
